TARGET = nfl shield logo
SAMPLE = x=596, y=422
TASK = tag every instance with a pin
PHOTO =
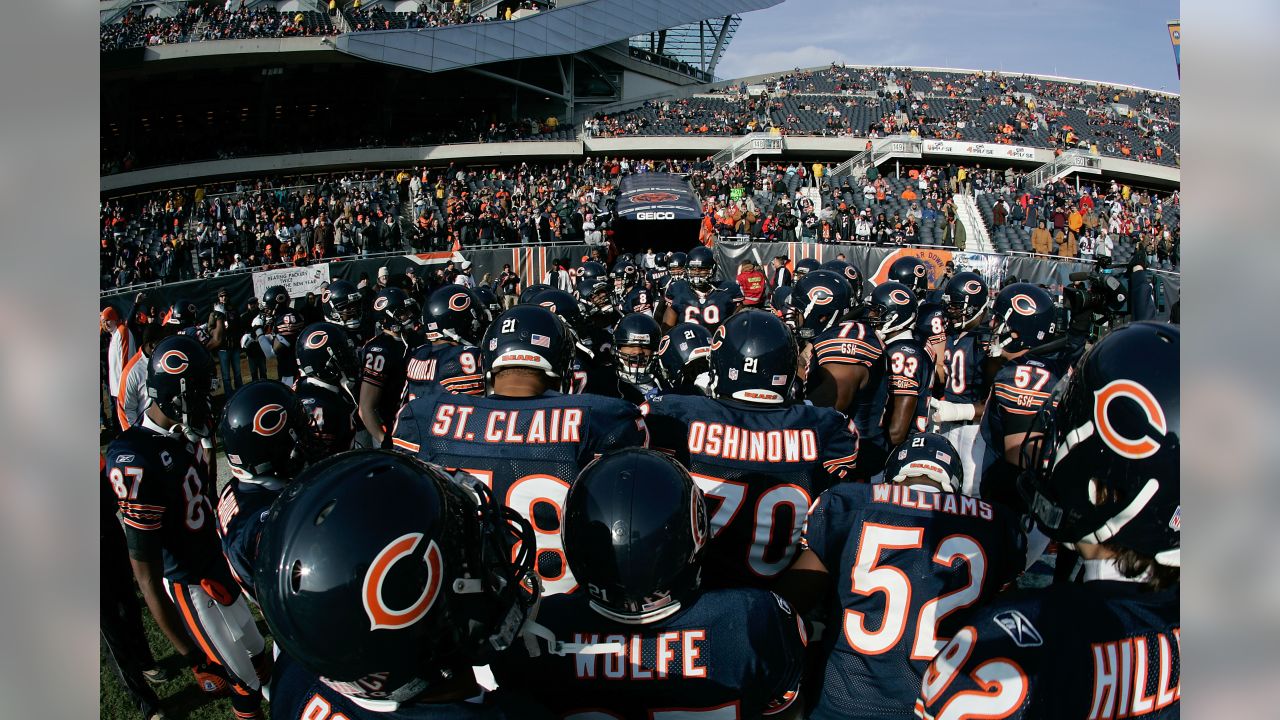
x=1176, y=521
x=733, y=373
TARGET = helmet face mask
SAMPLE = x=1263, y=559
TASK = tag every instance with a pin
x=344, y=304
x=701, y=267
x=966, y=300
x=635, y=345
x=266, y=431
x=325, y=352
x=1023, y=318
x=892, y=308
x=683, y=354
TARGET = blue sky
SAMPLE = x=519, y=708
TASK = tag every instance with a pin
x=1121, y=41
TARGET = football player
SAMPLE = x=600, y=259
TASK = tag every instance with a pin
x=908, y=368
x=383, y=581
x=163, y=481
x=268, y=438
x=657, y=642
x=682, y=359
x=635, y=347
x=623, y=276
x=592, y=370
x=327, y=388
x=490, y=305
x=697, y=299
x=282, y=323
x=525, y=439
x=181, y=319
x=595, y=297
x=344, y=304
x=842, y=352
x=902, y=557
x=852, y=275
x=1102, y=475
x=386, y=357
x=805, y=266
x=676, y=266
x=760, y=457
x=912, y=272
x=454, y=320
x=965, y=384
x=633, y=296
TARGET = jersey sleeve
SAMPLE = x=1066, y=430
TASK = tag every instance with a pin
x=907, y=368
x=779, y=638
x=839, y=444
x=1018, y=392
x=988, y=667
x=615, y=426
x=735, y=293
x=668, y=432
x=826, y=529
x=406, y=434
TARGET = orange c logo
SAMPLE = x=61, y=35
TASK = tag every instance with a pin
x=259, y=420
x=919, y=270
x=168, y=364
x=317, y=339
x=899, y=297
x=973, y=287
x=820, y=296
x=381, y=616
x=663, y=344
x=381, y=304
x=1132, y=448
x=698, y=520
x=463, y=302
x=1023, y=305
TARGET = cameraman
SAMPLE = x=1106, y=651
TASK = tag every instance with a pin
x=225, y=318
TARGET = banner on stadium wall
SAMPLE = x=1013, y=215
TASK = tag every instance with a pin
x=297, y=280
x=991, y=150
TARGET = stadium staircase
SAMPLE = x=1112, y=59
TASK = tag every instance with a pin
x=976, y=234
x=880, y=150
x=1068, y=163
x=757, y=143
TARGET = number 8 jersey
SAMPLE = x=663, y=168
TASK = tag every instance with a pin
x=905, y=563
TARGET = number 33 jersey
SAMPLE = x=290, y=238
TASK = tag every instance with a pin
x=903, y=561
x=527, y=450
x=759, y=468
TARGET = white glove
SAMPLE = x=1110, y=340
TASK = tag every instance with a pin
x=245, y=340
x=943, y=411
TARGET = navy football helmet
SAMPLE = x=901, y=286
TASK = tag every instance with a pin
x=1023, y=317
x=386, y=577
x=819, y=300
x=624, y=276
x=530, y=294
x=565, y=307
x=701, y=268
x=395, y=309
x=491, y=304
x=928, y=454
x=891, y=309
x=967, y=299
x=326, y=352
x=594, y=292
x=635, y=526
x=804, y=266
x=179, y=381
x=343, y=304
x=266, y=431
x=753, y=358
x=181, y=314
x=931, y=322
x=677, y=263
x=456, y=313
x=528, y=336
x=275, y=299
x=638, y=334
x=852, y=275
x=912, y=272
x=683, y=354
x=1103, y=459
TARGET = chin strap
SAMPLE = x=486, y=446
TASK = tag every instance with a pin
x=533, y=630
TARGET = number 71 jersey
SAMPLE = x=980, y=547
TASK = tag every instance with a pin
x=904, y=562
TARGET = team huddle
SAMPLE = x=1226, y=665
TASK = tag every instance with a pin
x=644, y=499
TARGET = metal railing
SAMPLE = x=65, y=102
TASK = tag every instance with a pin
x=762, y=143
x=881, y=149
x=1062, y=166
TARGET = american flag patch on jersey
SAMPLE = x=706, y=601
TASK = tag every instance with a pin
x=540, y=340
x=1176, y=521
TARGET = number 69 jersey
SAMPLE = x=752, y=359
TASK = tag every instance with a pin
x=164, y=495
x=904, y=562
x=759, y=468
x=527, y=450
x=708, y=310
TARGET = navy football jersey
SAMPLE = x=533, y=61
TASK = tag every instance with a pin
x=385, y=359
x=1018, y=391
x=706, y=310
x=1104, y=649
x=734, y=653
x=527, y=450
x=199, y=332
x=904, y=561
x=850, y=343
x=444, y=366
x=910, y=372
x=242, y=512
x=298, y=695
x=288, y=325
x=963, y=360
x=334, y=413
x=656, y=279
x=637, y=300
x=760, y=468
x=164, y=491
x=592, y=369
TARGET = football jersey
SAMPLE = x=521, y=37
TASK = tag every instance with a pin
x=637, y=300
x=527, y=450
x=1106, y=648
x=706, y=310
x=656, y=279
x=760, y=467
x=737, y=652
x=850, y=343
x=199, y=332
x=288, y=324
x=909, y=371
x=592, y=367
x=447, y=367
x=334, y=413
x=904, y=561
x=1018, y=390
x=164, y=492
x=385, y=359
x=242, y=513
x=296, y=694
x=963, y=360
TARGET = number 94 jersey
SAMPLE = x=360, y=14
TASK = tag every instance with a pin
x=706, y=310
x=904, y=563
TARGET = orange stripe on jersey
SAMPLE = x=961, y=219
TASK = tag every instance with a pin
x=406, y=445
x=140, y=526
x=846, y=460
x=843, y=360
x=184, y=604
x=1024, y=391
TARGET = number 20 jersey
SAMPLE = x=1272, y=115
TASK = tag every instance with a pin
x=904, y=563
x=528, y=450
x=759, y=467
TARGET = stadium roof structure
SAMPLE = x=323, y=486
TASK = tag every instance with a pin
x=566, y=30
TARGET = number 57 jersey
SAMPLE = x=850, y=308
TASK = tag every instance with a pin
x=527, y=450
x=759, y=468
x=904, y=561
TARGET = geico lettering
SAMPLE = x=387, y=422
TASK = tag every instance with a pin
x=670, y=655
x=764, y=446
x=655, y=216
x=1124, y=669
